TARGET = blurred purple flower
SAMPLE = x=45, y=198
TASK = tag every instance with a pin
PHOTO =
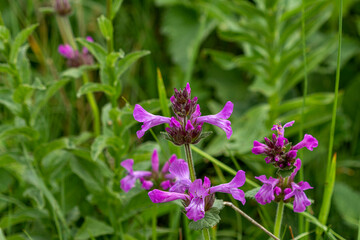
x=300, y=199
x=74, y=57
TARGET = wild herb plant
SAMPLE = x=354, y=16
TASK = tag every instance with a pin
x=72, y=165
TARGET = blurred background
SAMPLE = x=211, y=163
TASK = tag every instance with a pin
x=247, y=52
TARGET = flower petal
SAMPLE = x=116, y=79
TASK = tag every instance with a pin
x=67, y=51
x=309, y=142
x=158, y=196
x=155, y=161
x=196, y=209
x=127, y=183
x=259, y=148
x=128, y=165
x=232, y=187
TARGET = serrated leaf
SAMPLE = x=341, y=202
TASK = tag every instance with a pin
x=127, y=61
x=251, y=193
x=284, y=173
x=23, y=65
x=95, y=87
x=92, y=228
x=18, y=41
x=95, y=49
x=105, y=26
x=210, y=219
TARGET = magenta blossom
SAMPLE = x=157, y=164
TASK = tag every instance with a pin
x=148, y=178
x=200, y=196
x=300, y=199
x=278, y=149
x=266, y=193
x=186, y=126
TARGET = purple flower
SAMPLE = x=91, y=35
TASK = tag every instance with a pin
x=74, y=57
x=186, y=126
x=309, y=142
x=180, y=171
x=149, y=120
x=259, y=148
x=62, y=7
x=219, y=119
x=199, y=195
x=128, y=182
x=297, y=165
x=146, y=178
x=280, y=129
x=300, y=199
x=266, y=193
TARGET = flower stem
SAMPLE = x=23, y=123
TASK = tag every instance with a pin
x=206, y=234
x=190, y=162
x=154, y=223
x=94, y=108
x=278, y=219
x=251, y=220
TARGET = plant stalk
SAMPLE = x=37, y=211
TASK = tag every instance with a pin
x=229, y=204
x=190, y=162
x=154, y=223
x=206, y=234
x=278, y=219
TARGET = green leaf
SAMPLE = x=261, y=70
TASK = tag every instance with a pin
x=106, y=27
x=92, y=228
x=6, y=68
x=102, y=142
x=95, y=49
x=6, y=100
x=95, y=87
x=2, y=236
x=210, y=219
x=115, y=8
x=18, y=41
x=36, y=195
x=4, y=34
x=284, y=173
x=27, y=132
x=164, y=102
x=127, y=61
x=76, y=73
x=22, y=93
x=251, y=193
x=46, y=148
x=23, y=65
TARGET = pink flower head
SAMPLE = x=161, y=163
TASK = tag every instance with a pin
x=67, y=51
x=219, y=119
x=149, y=120
x=199, y=193
x=180, y=171
x=128, y=182
x=266, y=193
x=309, y=142
x=300, y=199
x=259, y=148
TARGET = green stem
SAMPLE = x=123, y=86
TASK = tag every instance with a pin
x=206, y=234
x=154, y=223
x=110, y=41
x=66, y=31
x=301, y=132
x=95, y=110
x=278, y=219
x=190, y=162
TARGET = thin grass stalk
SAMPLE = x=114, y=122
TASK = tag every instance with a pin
x=305, y=86
x=250, y=219
x=94, y=108
x=110, y=41
x=206, y=234
x=325, y=208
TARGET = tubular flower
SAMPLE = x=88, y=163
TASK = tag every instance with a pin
x=74, y=57
x=198, y=197
x=266, y=193
x=279, y=151
x=300, y=199
x=186, y=126
x=147, y=178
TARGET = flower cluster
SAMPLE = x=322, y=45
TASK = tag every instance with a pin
x=186, y=126
x=148, y=179
x=282, y=154
x=197, y=196
x=74, y=57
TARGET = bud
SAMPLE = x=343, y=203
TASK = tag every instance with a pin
x=62, y=7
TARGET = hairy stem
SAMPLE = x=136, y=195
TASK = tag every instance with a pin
x=190, y=162
x=206, y=234
x=229, y=204
x=278, y=219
